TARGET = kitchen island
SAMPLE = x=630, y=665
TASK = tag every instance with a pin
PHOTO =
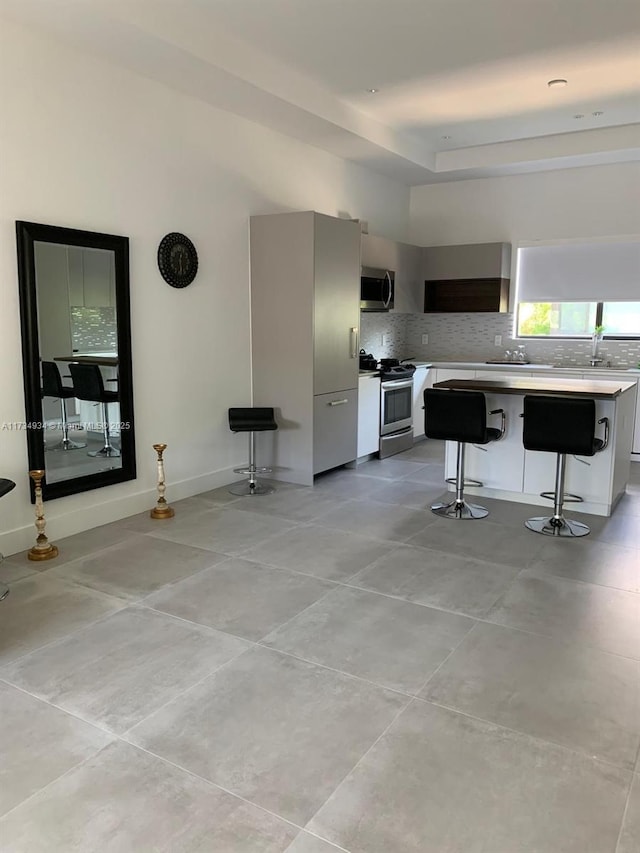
x=509, y=472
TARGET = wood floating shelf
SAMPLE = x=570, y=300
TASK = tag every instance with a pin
x=466, y=295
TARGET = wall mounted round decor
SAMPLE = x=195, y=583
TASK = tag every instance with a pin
x=177, y=259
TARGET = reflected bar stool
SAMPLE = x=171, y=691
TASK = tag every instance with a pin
x=88, y=385
x=251, y=420
x=561, y=425
x=5, y=487
x=52, y=387
x=460, y=416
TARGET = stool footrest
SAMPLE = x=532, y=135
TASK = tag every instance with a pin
x=454, y=482
x=567, y=497
x=248, y=470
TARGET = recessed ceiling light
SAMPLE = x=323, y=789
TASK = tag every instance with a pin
x=578, y=115
x=559, y=82
x=372, y=91
x=597, y=113
x=446, y=137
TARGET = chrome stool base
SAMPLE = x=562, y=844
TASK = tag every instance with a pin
x=106, y=452
x=552, y=525
x=459, y=510
x=65, y=444
x=246, y=489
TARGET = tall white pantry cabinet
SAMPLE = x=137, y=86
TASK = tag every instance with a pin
x=305, y=316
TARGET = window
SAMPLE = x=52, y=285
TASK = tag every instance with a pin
x=560, y=287
x=578, y=319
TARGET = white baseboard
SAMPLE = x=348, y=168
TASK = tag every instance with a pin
x=104, y=512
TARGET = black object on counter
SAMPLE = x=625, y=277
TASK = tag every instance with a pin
x=368, y=361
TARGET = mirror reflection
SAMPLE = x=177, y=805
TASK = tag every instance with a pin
x=76, y=297
x=76, y=347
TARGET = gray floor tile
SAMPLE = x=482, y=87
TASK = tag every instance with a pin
x=409, y=494
x=630, y=835
x=241, y=597
x=431, y=473
x=14, y=570
x=427, y=450
x=584, y=613
x=392, y=523
x=137, y=567
x=590, y=561
x=618, y=529
x=278, y=731
x=126, y=801
x=41, y=609
x=38, y=744
x=307, y=843
x=571, y=695
x=118, y=671
x=440, y=782
x=437, y=579
x=345, y=483
x=301, y=504
x=390, y=469
x=629, y=505
x=87, y=542
x=393, y=643
x=481, y=539
x=336, y=556
x=227, y=530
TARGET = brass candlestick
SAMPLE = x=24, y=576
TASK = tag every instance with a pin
x=43, y=549
x=162, y=508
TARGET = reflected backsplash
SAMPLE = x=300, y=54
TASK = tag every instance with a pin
x=94, y=329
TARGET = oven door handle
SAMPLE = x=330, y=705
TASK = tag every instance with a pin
x=396, y=383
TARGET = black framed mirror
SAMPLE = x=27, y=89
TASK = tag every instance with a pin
x=76, y=351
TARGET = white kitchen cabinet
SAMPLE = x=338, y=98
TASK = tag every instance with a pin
x=368, y=415
x=422, y=379
x=305, y=314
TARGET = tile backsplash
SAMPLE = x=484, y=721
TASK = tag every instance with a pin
x=94, y=329
x=470, y=337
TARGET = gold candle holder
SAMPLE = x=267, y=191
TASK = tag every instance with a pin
x=43, y=549
x=162, y=508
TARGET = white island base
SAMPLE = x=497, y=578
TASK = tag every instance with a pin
x=509, y=472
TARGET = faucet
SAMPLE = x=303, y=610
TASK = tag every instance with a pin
x=594, y=362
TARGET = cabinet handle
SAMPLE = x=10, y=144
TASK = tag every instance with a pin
x=338, y=402
x=354, y=342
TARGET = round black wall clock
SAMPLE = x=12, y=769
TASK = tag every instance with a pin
x=177, y=259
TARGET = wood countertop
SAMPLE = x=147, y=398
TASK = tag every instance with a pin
x=593, y=388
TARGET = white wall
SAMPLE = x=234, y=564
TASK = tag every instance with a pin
x=88, y=145
x=594, y=201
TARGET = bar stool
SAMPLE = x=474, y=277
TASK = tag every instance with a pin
x=561, y=425
x=52, y=387
x=88, y=385
x=460, y=416
x=5, y=487
x=251, y=420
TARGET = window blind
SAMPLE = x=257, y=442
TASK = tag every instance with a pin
x=579, y=272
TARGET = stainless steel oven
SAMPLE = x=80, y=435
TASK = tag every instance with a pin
x=396, y=416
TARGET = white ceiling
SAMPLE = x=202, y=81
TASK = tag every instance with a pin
x=475, y=71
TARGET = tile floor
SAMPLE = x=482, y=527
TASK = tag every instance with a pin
x=326, y=669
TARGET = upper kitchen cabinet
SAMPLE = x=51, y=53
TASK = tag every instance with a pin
x=305, y=314
x=405, y=261
x=473, y=277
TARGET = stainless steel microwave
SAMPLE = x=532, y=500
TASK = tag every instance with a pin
x=376, y=289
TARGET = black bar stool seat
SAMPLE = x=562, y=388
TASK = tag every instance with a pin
x=252, y=420
x=460, y=416
x=89, y=385
x=5, y=487
x=52, y=387
x=561, y=425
